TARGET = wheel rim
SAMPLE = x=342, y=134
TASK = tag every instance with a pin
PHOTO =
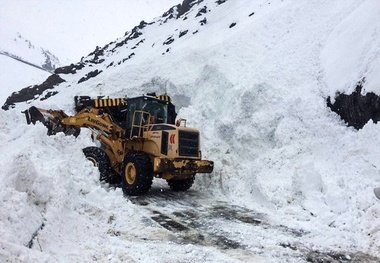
x=93, y=160
x=130, y=173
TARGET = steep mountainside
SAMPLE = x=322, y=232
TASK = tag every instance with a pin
x=22, y=63
x=191, y=18
x=23, y=50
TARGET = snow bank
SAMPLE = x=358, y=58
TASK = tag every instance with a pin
x=351, y=53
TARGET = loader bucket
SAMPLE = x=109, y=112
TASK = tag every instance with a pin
x=33, y=115
x=51, y=119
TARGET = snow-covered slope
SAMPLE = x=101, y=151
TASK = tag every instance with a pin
x=22, y=63
x=352, y=53
x=253, y=77
x=17, y=47
x=32, y=31
x=72, y=29
x=15, y=75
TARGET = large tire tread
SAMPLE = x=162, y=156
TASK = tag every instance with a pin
x=144, y=173
x=101, y=160
x=181, y=185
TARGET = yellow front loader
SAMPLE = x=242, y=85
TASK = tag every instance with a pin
x=139, y=139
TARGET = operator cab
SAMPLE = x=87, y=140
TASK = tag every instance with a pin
x=133, y=114
x=148, y=109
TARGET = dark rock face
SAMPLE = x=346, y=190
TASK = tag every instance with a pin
x=97, y=53
x=90, y=75
x=32, y=92
x=135, y=33
x=71, y=69
x=169, y=40
x=202, y=11
x=355, y=109
x=203, y=21
x=186, y=6
x=181, y=9
x=182, y=33
x=219, y=2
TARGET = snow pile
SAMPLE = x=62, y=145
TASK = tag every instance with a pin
x=256, y=92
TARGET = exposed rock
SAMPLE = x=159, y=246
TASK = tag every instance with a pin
x=127, y=58
x=97, y=53
x=71, y=69
x=138, y=43
x=202, y=11
x=135, y=33
x=182, y=33
x=357, y=109
x=179, y=10
x=219, y=2
x=170, y=13
x=203, y=21
x=49, y=94
x=32, y=92
x=90, y=75
x=136, y=28
x=187, y=5
x=169, y=40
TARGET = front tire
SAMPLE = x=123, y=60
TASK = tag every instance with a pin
x=181, y=185
x=100, y=159
x=137, y=173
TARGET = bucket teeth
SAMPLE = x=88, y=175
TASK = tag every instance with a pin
x=33, y=115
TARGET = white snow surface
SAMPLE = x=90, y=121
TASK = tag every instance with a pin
x=15, y=44
x=12, y=78
x=257, y=93
x=352, y=51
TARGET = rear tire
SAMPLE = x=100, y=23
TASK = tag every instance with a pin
x=100, y=159
x=137, y=173
x=181, y=185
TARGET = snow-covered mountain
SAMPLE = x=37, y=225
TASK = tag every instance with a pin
x=23, y=50
x=292, y=182
x=22, y=63
x=26, y=26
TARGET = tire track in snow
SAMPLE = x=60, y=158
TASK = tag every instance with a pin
x=197, y=219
